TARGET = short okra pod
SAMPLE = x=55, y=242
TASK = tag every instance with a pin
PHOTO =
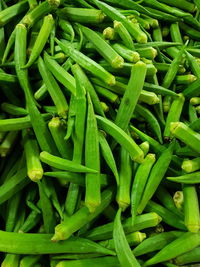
x=156, y=146
x=123, y=250
x=71, y=224
x=129, y=55
x=109, y=33
x=125, y=175
x=63, y=164
x=121, y=137
x=147, y=52
x=131, y=95
x=60, y=74
x=178, y=200
x=167, y=216
x=167, y=201
x=87, y=63
x=157, y=242
x=103, y=48
x=13, y=110
x=191, y=208
x=124, y=34
x=156, y=176
x=41, y=39
x=53, y=89
x=186, y=135
x=149, y=98
x=191, y=165
x=174, y=114
x=108, y=155
x=92, y=160
x=139, y=183
x=133, y=239
x=34, y=167
x=57, y=130
x=182, y=244
x=105, y=231
x=185, y=79
x=82, y=15
x=171, y=73
x=8, y=143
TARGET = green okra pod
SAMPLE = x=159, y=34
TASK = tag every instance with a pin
x=191, y=208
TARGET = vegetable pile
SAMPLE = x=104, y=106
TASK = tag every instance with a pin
x=99, y=133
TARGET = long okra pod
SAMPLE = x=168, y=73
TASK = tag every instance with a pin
x=41, y=39
x=54, y=89
x=87, y=63
x=157, y=242
x=191, y=208
x=123, y=251
x=190, y=178
x=131, y=95
x=70, y=225
x=139, y=183
x=121, y=137
x=125, y=175
x=156, y=176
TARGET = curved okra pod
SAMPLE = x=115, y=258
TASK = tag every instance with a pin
x=108, y=155
x=34, y=166
x=103, y=48
x=131, y=95
x=87, y=63
x=92, y=160
x=156, y=176
x=186, y=135
x=125, y=179
x=182, y=244
x=123, y=250
x=83, y=216
x=174, y=114
x=41, y=39
x=139, y=183
x=121, y=137
x=63, y=164
x=157, y=242
x=105, y=231
x=53, y=89
x=191, y=208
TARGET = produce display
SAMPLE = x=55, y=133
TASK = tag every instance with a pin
x=99, y=133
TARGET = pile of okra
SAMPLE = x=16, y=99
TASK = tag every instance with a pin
x=99, y=133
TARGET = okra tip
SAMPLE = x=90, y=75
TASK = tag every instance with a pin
x=60, y=233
